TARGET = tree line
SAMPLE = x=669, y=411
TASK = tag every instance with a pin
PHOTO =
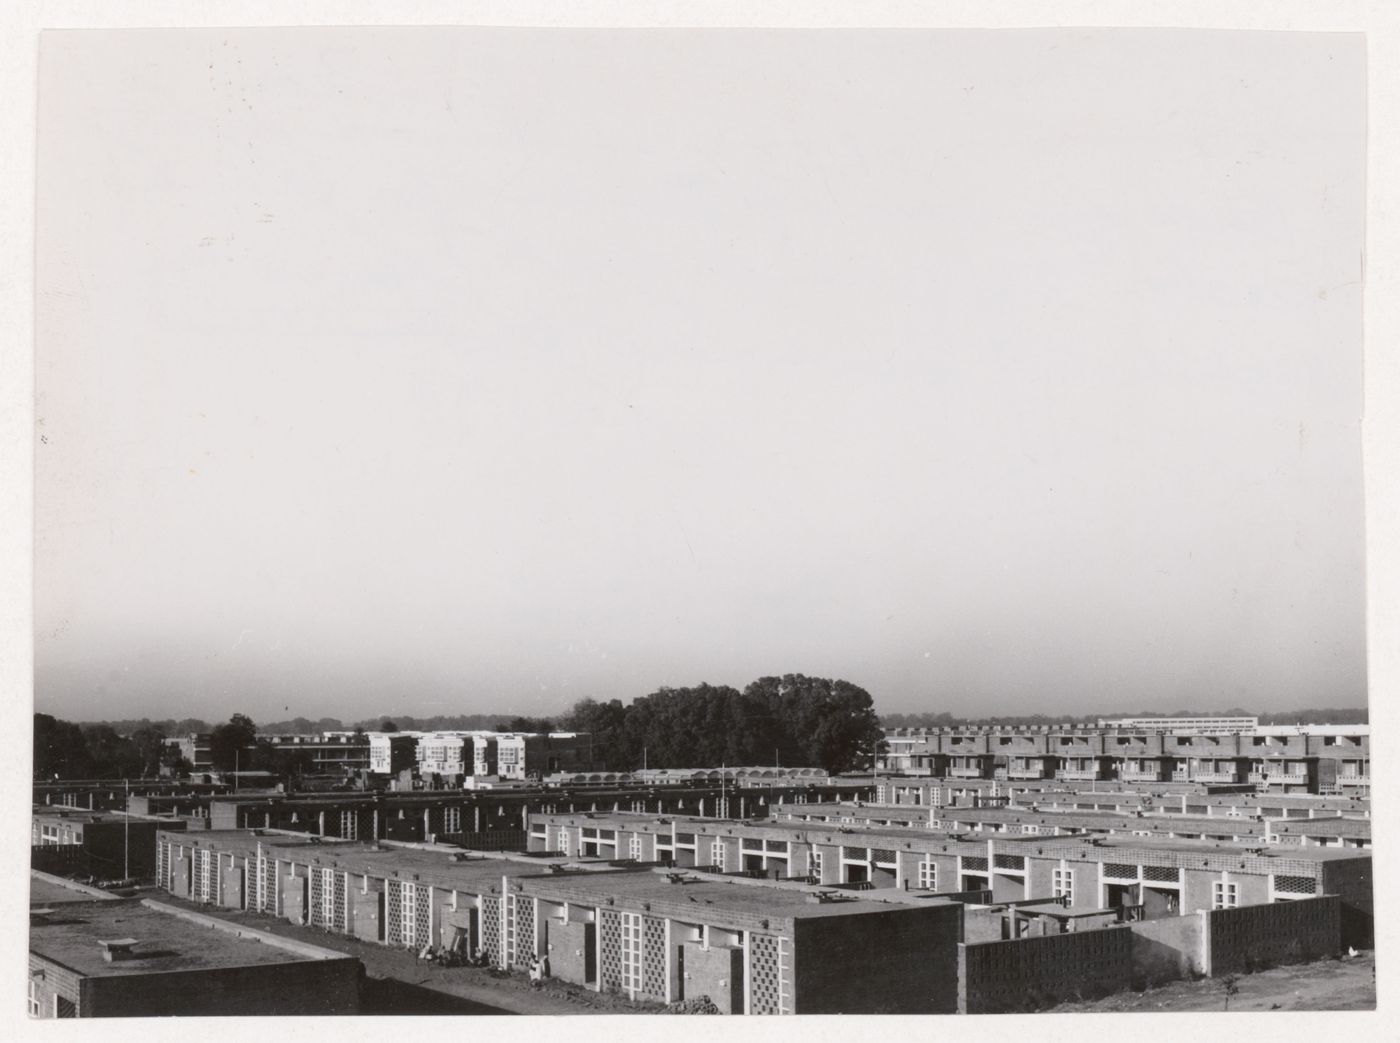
x=791, y=720
x=65, y=750
x=306, y=726
x=70, y=750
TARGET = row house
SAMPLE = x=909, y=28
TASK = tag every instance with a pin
x=1350, y=752
x=496, y=818
x=652, y=936
x=1286, y=760
x=1146, y=877
x=1032, y=822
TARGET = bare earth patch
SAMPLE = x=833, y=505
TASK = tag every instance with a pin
x=1345, y=984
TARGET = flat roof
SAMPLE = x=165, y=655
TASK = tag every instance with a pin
x=73, y=937
x=1199, y=847
x=45, y=889
x=478, y=871
x=1052, y=816
x=708, y=896
x=861, y=835
x=1064, y=912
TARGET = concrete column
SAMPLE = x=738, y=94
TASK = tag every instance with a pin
x=748, y=972
x=670, y=962
x=321, y=823
x=427, y=822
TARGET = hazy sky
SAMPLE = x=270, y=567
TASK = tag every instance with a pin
x=452, y=371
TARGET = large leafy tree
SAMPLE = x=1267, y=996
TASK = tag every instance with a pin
x=60, y=749
x=230, y=743
x=149, y=740
x=818, y=721
x=793, y=720
x=604, y=723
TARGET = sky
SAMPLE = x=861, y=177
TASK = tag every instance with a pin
x=456, y=371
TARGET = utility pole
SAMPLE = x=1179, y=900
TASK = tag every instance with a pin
x=126, y=834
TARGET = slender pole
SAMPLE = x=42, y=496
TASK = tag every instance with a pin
x=126, y=834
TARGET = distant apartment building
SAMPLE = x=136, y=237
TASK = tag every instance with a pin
x=1287, y=760
x=511, y=756
x=392, y=752
x=1193, y=725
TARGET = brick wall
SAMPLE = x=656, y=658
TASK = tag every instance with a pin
x=1350, y=879
x=310, y=987
x=1032, y=973
x=57, y=858
x=1169, y=949
x=1259, y=936
x=567, y=954
x=903, y=961
x=366, y=917
x=493, y=840
x=57, y=980
x=717, y=973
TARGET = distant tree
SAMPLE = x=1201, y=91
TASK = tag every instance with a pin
x=230, y=742
x=387, y=725
x=150, y=745
x=530, y=725
x=822, y=722
x=113, y=757
x=604, y=723
x=60, y=749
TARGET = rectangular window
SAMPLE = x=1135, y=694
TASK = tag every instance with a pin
x=816, y=869
x=717, y=854
x=1062, y=885
x=328, y=898
x=35, y=1005
x=452, y=820
x=349, y=827
x=634, y=847
x=408, y=913
x=928, y=875
x=1224, y=895
x=632, y=954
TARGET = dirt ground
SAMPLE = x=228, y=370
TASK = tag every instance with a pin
x=1345, y=984
x=399, y=983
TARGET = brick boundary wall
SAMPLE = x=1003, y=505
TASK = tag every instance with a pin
x=489, y=840
x=1256, y=937
x=56, y=858
x=1028, y=974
